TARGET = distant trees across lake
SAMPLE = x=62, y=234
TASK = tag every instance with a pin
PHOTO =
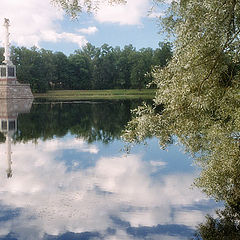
x=91, y=67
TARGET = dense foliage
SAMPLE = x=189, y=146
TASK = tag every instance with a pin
x=88, y=68
x=199, y=91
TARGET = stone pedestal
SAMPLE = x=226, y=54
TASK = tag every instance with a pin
x=14, y=89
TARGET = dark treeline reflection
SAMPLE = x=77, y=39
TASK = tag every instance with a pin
x=93, y=121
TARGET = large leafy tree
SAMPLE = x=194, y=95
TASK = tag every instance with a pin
x=80, y=71
x=62, y=71
x=199, y=93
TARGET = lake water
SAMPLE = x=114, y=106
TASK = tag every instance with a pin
x=64, y=175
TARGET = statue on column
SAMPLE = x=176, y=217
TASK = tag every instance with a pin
x=7, y=44
x=10, y=88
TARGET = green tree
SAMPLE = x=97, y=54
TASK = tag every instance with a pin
x=142, y=65
x=89, y=51
x=124, y=65
x=31, y=68
x=105, y=71
x=198, y=93
x=62, y=71
x=80, y=71
x=48, y=66
x=87, y=68
x=163, y=54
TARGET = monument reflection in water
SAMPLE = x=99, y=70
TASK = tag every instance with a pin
x=9, y=111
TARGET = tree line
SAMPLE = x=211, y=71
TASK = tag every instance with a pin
x=88, y=68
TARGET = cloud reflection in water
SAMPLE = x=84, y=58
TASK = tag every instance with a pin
x=117, y=198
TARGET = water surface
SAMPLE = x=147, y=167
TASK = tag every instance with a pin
x=67, y=177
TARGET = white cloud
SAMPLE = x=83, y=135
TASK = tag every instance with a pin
x=52, y=36
x=89, y=30
x=158, y=163
x=125, y=14
x=76, y=144
x=54, y=200
x=33, y=21
x=130, y=13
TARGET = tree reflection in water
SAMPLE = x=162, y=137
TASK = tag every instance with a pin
x=87, y=119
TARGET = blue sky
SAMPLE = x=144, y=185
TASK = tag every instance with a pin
x=38, y=23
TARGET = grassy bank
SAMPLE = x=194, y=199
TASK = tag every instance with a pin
x=97, y=94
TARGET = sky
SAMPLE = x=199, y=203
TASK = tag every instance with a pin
x=41, y=24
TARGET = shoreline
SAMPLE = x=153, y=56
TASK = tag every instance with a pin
x=97, y=94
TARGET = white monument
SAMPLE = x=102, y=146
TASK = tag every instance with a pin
x=7, y=60
x=9, y=86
